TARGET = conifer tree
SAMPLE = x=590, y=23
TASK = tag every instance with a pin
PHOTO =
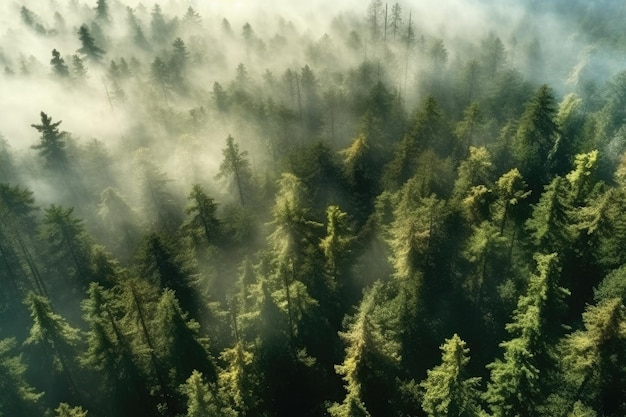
x=370, y=355
x=515, y=387
x=56, y=341
x=88, y=43
x=69, y=247
x=200, y=398
x=595, y=356
x=551, y=226
x=448, y=392
x=17, y=396
x=102, y=10
x=536, y=137
x=235, y=165
x=59, y=67
x=201, y=216
x=65, y=410
x=51, y=146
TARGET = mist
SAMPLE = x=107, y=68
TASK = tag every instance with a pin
x=220, y=195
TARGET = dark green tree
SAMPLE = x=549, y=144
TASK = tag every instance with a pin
x=51, y=146
x=102, y=10
x=17, y=396
x=551, y=225
x=202, y=222
x=88, y=45
x=69, y=246
x=55, y=343
x=180, y=348
x=59, y=67
x=535, y=139
x=235, y=167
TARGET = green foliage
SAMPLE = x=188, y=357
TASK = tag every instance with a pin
x=536, y=137
x=235, y=167
x=65, y=410
x=447, y=390
x=515, y=387
x=594, y=358
x=52, y=142
x=17, y=396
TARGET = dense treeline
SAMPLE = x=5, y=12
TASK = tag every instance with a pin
x=336, y=233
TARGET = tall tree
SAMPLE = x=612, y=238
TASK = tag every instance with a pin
x=515, y=388
x=595, y=356
x=535, y=139
x=51, y=146
x=235, y=166
x=370, y=357
x=69, y=246
x=201, y=216
x=59, y=67
x=448, y=392
x=102, y=10
x=17, y=396
x=88, y=45
x=56, y=340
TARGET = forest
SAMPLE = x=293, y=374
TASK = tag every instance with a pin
x=344, y=209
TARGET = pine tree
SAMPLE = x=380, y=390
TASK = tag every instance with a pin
x=515, y=388
x=551, y=225
x=17, y=396
x=65, y=410
x=59, y=67
x=202, y=222
x=88, y=43
x=69, y=247
x=370, y=356
x=448, y=392
x=200, y=397
x=535, y=139
x=102, y=10
x=595, y=357
x=235, y=165
x=52, y=143
x=55, y=341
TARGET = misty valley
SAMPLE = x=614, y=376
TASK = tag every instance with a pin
x=324, y=208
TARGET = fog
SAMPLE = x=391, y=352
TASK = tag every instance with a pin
x=134, y=111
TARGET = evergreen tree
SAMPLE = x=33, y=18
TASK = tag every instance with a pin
x=55, y=343
x=52, y=143
x=79, y=71
x=102, y=10
x=69, y=247
x=535, y=139
x=201, y=217
x=88, y=43
x=200, y=398
x=551, y=225
x=179, y=347
x=594, y=359
x=370, y=357
x=235, y=165
x=169, y=267
x=65, y=410
x=59, y=67
x=17, y=396
x=447, y=390
x=515, y=388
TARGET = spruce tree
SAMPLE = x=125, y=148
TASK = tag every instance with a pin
x=89, y=47
x=448, y=392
